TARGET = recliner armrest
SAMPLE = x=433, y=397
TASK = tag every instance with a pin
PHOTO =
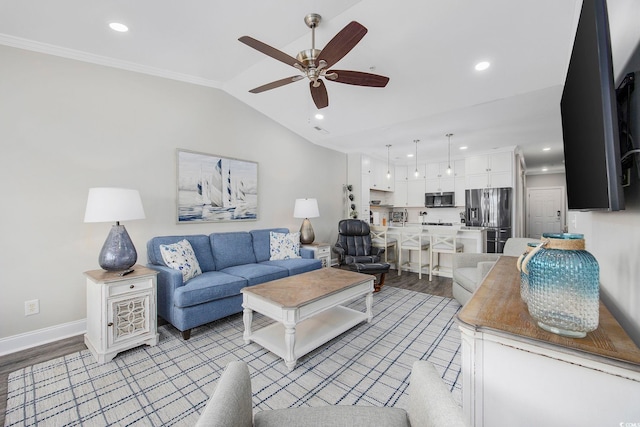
x=340, y=251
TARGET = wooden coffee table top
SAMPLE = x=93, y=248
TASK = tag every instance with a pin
x=304, y=288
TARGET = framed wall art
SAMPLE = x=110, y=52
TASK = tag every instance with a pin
x=213, y=188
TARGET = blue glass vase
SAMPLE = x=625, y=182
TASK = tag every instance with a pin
x=564, y=285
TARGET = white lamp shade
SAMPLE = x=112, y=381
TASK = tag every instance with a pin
x=306, y=208
x=113, y=204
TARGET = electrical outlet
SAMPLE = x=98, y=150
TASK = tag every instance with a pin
x=31, y=307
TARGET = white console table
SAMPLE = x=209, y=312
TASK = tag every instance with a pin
x=515, y=373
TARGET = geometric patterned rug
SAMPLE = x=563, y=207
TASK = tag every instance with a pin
x=169, y=384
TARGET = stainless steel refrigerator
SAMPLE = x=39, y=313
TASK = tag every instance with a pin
x=491, y=208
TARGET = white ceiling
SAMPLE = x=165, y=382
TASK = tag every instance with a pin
x=428, y=48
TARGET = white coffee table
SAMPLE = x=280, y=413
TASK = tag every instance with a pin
x=307, y=310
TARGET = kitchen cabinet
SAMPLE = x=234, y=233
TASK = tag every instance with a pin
x=401, y=173
x=400, y=194
x=415, y=192
x=411, y=172
x=409, y=192
x=377, y=171
x=437, y=178
x=460, y=187
x=489, y=171
x=364, y=202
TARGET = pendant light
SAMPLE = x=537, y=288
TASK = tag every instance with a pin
x=388, y=170
x=449, y=135
x=416, y=173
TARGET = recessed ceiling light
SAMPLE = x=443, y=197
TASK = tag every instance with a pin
x=545, y=169
x=546, y=149
x=481, y=66
x=409, y=155
x=116, y=26
x=319, y=116
x=463, y=147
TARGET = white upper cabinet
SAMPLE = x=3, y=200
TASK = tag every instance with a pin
x=401, y=173
x=489, y=171
x=377, y=170
x=438, y=180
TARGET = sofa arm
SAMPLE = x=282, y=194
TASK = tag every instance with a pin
x=230, y=404
x=430, y=401
x=306, y=253
x=168, y=280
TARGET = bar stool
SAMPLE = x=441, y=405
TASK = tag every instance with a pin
x=412, y=239
x=379, y=239
x=443, y=240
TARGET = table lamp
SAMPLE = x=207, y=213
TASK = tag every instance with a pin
x=306, y=208
x=115, y=204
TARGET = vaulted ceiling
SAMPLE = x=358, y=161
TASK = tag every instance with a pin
x=428, y=49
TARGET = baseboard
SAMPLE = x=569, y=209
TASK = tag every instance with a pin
x=32, y=339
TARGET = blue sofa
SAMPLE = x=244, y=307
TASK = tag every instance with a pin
x=229, y=262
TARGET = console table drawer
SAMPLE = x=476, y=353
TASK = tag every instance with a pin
x=124, y=288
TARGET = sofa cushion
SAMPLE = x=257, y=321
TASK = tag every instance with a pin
x=466, y=277
x=261, y=242
x=257, y=273
x=296, y=265
x=234, y=248
x=331, y=416
x=208, y=286
x=180, y=256
x=199, y=243
x=284, y=245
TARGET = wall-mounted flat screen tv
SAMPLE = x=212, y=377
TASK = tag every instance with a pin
x=589, y=117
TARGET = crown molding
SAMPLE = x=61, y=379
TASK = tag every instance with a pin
x=78, y=55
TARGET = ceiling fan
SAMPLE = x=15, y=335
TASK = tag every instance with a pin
x=314, y=63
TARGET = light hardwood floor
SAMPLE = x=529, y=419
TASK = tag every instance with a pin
x=440, y=286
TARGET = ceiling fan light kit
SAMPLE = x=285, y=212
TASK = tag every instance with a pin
x=314, y=63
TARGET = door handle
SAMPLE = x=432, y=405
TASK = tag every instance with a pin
x=558, y=214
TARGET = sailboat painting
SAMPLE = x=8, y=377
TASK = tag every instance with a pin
x=215, y=189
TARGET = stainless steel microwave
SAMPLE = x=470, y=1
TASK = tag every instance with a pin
x=445, y=199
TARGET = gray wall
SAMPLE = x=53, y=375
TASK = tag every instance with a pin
x=66, y=126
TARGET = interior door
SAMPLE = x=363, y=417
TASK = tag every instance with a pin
x=545, y=211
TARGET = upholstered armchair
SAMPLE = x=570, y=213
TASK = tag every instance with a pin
x=469, y=269
x=355, y=251
x=430, y=405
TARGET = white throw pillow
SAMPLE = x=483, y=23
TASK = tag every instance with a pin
x=284, y=245
x=180, y=256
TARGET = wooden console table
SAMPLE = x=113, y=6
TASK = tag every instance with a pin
x=515, y=373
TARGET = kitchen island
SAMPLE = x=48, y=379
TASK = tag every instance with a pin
x=474, y=239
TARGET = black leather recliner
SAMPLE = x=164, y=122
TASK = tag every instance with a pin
x=355, y=252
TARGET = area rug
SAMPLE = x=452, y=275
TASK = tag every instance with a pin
x=169, y=384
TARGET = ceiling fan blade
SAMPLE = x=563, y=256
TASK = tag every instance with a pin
x=319, y=94
x=342, y=43
x=270, y=51
x=276, y=84
x=357, y=78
